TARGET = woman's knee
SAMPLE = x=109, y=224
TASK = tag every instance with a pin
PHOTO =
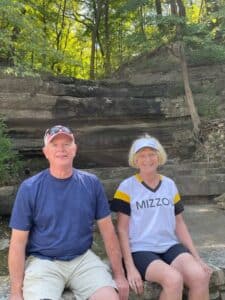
x=199, y=278
x=173, y=281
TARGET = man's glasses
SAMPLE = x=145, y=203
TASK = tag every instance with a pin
x=56, y=129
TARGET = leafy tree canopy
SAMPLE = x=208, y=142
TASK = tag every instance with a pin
x=92, y=38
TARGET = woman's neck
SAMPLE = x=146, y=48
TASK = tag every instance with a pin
x=151, y=179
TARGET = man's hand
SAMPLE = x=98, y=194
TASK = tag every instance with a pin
x=123, y=287
x=16, y=296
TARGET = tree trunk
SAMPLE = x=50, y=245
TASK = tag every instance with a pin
x=188, y=93
x=107, y=62
x=158, y=7
x=92, y=59
x=173, y=7
x=182, y=11
x=97, y=7
x=142, y=22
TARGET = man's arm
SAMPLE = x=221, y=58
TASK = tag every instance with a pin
x=114, y=254
x=16, y=262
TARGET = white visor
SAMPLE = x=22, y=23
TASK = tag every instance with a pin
x=145, y=142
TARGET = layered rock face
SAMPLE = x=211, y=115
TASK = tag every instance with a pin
x=105, y=117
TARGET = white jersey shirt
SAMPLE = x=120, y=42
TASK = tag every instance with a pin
x=152, y=212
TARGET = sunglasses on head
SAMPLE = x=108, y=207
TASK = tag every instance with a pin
x=56, y=129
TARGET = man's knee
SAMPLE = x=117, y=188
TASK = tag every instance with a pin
x=105, y=293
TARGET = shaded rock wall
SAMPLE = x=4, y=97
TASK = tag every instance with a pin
x=106, y=117
x=207, y=81
x=213, y=134
x=197, y=182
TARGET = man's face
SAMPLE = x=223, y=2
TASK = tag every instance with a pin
x=61, y=151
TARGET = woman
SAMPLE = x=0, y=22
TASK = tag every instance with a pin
x=155, y=241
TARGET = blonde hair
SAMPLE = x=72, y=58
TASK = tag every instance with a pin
x=160, y=150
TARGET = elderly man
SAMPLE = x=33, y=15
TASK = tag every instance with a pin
x=52, y=231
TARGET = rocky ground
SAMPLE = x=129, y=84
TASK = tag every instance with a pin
x=4, y=241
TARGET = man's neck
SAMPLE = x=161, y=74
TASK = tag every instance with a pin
x=61, y=173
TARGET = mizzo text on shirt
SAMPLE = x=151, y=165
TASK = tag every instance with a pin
x=148, y=203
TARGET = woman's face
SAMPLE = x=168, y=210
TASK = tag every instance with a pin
x=147, y=160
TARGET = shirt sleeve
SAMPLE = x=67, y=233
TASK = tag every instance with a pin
x=102, y=204
x=121, y=200
x=178, y=204
x=21, y=217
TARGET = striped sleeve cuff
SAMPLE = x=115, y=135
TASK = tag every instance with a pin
x=118, y=205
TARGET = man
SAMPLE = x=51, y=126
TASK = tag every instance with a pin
x=52, y=231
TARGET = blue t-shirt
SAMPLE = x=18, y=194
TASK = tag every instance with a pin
x=59, y=213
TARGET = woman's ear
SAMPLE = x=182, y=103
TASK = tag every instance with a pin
x=135, y=161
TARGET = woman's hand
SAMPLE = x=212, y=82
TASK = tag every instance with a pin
x=135, y=280
x=205, y=267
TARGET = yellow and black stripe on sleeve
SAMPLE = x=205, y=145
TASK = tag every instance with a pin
x=178, y=204
x=121, y=203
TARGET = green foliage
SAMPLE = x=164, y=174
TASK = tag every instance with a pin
x=201, y=46
x=208, y=106
x=10, y=166
x=208, y=54
x=61, y=36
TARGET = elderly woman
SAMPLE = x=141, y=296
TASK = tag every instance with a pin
x=154, y=238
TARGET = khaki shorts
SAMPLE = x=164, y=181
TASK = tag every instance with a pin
x=84, y=275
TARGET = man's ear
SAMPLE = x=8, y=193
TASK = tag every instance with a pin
x=75, y=150
x=44, y=150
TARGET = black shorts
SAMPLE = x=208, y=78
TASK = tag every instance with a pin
x=142, y=259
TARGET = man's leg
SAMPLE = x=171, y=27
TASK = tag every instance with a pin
x=105, y=293
x=91, y=279
x=42, y=280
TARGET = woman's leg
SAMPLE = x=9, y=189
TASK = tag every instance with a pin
x=194, y=276
x=168, y=277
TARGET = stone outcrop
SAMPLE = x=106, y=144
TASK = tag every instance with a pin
x=213, y=135
x=7, y=196
x=106, y=117
x=207, y=81
x=197, y=182
x=151, y=291
x=220, y=201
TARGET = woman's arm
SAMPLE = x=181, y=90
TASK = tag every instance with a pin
x=185, y=238
x=133, y=276
x=184, y=235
